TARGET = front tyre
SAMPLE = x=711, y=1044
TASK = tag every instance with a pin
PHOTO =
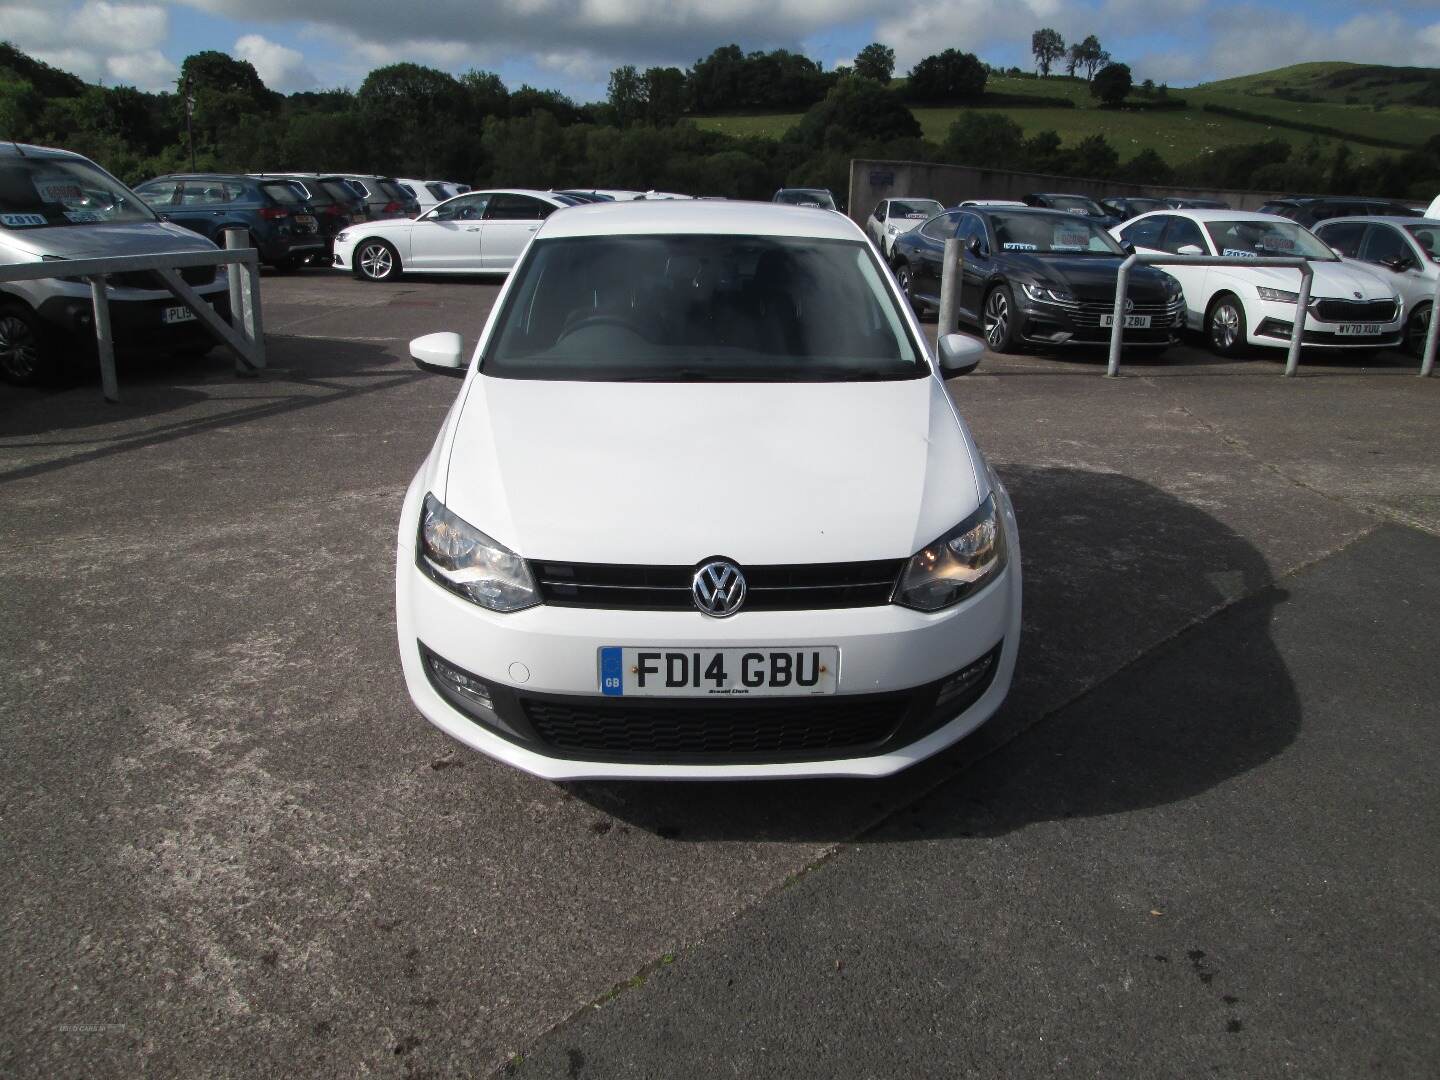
x=26, y=358
x=1416, y=329
x=906, y=281
x=376, y=260
x=1225, y=328
x=998, y=321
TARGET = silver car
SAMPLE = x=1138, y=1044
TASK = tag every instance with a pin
x=54, y=206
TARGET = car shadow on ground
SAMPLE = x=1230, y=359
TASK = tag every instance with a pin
x=75, y=420
x=1114, y=568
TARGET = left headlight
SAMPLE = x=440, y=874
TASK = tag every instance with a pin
x=957, y=564
x=454, y=554
x=1279, y=296
x=1045, y=294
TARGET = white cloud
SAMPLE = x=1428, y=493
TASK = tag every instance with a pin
x=279, y=67
x=97, y=40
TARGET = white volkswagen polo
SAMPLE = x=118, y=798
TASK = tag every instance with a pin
x=704, y=509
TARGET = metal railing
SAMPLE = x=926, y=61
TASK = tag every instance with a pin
x=1432, y=338
x=243, y=270
x=1302, y=304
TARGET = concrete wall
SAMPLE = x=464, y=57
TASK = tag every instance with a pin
x=871, y=181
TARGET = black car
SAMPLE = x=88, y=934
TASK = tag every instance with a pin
x=1125, y=207
x=1310, y=211
x=280, y=222
x=333, y=202
x=1079, y=205
x=1038, y=277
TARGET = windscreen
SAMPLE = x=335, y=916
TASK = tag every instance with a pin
x=44, y=191
x=1428, y=237
x=1051, y=234
x=1267, y=239
x=915, y=209
x=1075, y=204
x=677, y=308
x=283, y=193
x=798, y=197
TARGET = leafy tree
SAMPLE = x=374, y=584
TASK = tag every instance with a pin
x=1147, y=167
x=876, y=61
x=664, y=95
x=1074, y=58
x=417, y=107
x=627, y=95
x=486, y=94
x=853, y=111
x=527, y=100
x=1111, y=84
x=19, y=105
x=948, y=76
x=1092, y=157
x=1148, y=87
x=1090, y=56
x=715, y=80
x=985, y=139
x=1047, y=46
x=1043, y=153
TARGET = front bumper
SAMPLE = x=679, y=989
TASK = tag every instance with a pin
x=134, y=323
x=541, y=668
x=1271, y=323
x=1054, y=324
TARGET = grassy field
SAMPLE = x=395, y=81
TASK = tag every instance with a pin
x=1336, y=81
x=1177, y=135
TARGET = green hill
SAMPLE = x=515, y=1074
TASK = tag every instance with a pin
x=1252, y=112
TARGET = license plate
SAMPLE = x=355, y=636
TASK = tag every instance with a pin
x=695, y=673
x=305, y=219
x=176, y=315
x=1132, y=322
x=1358, y=329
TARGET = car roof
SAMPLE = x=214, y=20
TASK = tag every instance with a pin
x=14, y=149
x=1379, y=219
x=1208, y=214
x=696, y=216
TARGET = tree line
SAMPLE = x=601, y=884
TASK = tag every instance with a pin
x=411, y=120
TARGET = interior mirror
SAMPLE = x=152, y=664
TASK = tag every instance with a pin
x=959, y=354
x=440, y=354
x=1189, y=249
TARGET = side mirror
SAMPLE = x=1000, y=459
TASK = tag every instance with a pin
x=974, y=245
x=1338, y=253
x=1189, y=249
x=1127, y=247
x=440, y=354
x=959, y=354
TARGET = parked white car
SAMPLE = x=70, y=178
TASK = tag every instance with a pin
x=1237, y=307
x=57, y=206
x=894, y=217
x=1404, y=251
x=430, y=193
x=480, y=232
x=581, y=594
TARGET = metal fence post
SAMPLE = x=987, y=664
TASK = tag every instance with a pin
x=1432, y=338
x=1302, y=313
x=105, y=343
x=950, y=287
x=237, y=239
x=1117, y=329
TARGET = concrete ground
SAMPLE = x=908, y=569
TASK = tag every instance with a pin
x=1199, y=837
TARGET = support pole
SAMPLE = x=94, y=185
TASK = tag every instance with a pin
x=105, y=342
x=1302, y=313
x=1117, y=331
x=950, y=270
x=237, y=239
x=1432, y=339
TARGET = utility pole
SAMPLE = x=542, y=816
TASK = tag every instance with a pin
x=189, y=112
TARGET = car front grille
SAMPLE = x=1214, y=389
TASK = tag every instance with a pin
x=667, y=588
x=1088, y=312
x=1342, y=311
x=149, y=279
x=724, y=729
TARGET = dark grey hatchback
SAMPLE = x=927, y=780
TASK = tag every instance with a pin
x=1038, y=277
x=282, y=226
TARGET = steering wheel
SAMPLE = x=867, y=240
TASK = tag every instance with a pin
x=590, y=321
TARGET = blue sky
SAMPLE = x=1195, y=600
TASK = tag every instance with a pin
x=571, y=45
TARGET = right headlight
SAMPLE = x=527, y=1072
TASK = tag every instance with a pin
x=957, y=564
x=459, y=557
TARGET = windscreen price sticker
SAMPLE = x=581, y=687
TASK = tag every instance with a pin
x=19, y=221
x=1077, y=241
x=58, y=189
